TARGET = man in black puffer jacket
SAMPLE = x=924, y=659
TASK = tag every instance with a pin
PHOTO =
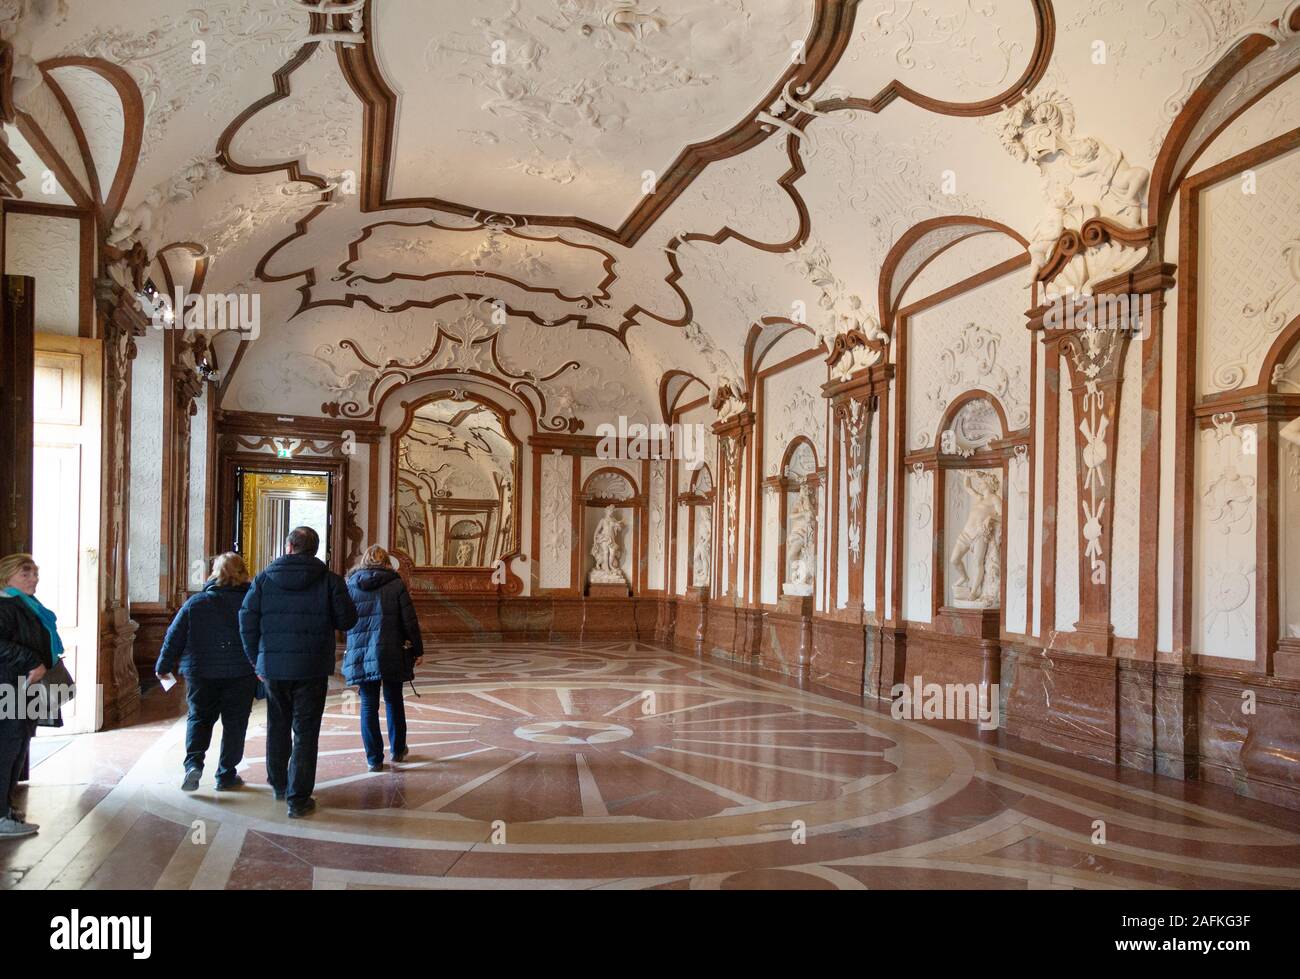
x=288, y=623
x=203, y=641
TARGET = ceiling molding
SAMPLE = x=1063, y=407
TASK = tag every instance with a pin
x=132, y=129
x=828, y=37
x=1044, y=42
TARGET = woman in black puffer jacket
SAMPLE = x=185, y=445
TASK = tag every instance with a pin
x=26, y=652
x=384, y=648
x=203, y=641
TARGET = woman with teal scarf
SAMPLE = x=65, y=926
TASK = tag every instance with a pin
x=29, y=646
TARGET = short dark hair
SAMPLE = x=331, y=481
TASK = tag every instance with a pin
x=303, y=540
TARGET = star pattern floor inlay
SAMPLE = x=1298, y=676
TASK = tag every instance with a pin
x=624, y=765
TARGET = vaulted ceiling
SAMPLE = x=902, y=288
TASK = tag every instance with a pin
x=599, y=174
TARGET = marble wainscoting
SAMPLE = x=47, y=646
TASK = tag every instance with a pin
x=1067, y=701
x=1155, y=717
x=1256, y=752
x=1236, y=729
x=488, y=618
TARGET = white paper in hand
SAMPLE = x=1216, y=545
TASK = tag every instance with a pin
x=167, y=681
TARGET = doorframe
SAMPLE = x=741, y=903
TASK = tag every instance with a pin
x=228, y=487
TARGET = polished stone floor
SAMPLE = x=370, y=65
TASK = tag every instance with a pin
x=626, y=766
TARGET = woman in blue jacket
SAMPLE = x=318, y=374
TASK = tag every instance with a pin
x=203, y=640
x=384, y=647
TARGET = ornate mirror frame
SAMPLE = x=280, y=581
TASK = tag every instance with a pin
x=497, y=579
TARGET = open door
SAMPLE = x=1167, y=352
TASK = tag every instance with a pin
x=66, y=507
x=17, y=336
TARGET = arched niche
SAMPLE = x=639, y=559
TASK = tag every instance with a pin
x=798, y=487
x=613, y=503
x=1279, y=473
x=455, y=470
x=967, y=475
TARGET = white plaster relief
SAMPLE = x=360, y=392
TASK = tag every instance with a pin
x=556, y=519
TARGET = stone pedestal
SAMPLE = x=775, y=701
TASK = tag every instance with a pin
x=606, y=590
x=1287, y=661
x=963, y=619
x=789, y=604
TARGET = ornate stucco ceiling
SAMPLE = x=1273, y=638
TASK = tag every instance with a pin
x=587, y=177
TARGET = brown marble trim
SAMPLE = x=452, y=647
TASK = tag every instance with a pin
x=897, y=478
x=756, y=382
x=300, y=426
x=1044, y=41
x=889, y=310
x=668, y=408
x=1256, y=402
x=354, y=254
x=51, y=157
x=1164, y=181
x=83, y=147
x=828, y=37
x=1150, y=478
x=132, y=128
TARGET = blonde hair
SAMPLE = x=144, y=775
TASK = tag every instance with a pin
x=11, y=564
x=229, y=569
x=374, y=556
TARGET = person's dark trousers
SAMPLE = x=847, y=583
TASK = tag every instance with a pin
x=294, y=708
x=13, y=756
x=392, y=689
x=231, y=700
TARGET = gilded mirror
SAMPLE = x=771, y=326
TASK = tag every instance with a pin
x=456, y=474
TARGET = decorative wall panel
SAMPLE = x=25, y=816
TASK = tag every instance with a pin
x=1223, y=597
x=1289, y=540
x=657, y=559
x=49, y=250
x=772, y=574
x=1250, y=254
x=1067, y=513
x=918, y=551
x=1125, y=540
x=556, y=494
x=975, y=340
x=198, y=558
x=1017, y=535
x=145, y=560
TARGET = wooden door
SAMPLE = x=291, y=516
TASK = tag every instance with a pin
x=17, y=336
x=66, y=506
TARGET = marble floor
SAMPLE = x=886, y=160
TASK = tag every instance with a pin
x=627, y=766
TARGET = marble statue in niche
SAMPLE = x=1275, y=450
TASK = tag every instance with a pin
x=703, y=553
x=465, y=554
x=976, y=558
x=607, y=549
x=801, y=542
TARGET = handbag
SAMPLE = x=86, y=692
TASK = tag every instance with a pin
x=60, y=689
